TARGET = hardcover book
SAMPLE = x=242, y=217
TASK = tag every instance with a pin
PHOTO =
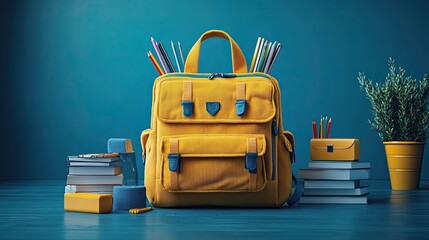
x=94, y=164
x=334, y=199
x=94, y=180
x=334, y=174
x=338, y=165
x=336, y=192
x=109, y=170
x=89, y=188
x=93, y=159
x=331, y=184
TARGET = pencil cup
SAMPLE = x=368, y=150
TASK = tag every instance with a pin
x=124, y=147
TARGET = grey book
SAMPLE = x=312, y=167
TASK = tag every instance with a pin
x=336, y=192
x=109, y=170
x=89, y=188
x=334, y=199
x=94, y=180
x=334, y=174
x=93, y=159
x=94, y=164
x=344, y=184
x=338, y=165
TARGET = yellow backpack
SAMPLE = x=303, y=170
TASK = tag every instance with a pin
x=216, y=139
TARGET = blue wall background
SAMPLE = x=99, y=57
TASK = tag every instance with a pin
x=75, y=73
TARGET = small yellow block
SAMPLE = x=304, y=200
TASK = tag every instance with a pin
x=88, y=202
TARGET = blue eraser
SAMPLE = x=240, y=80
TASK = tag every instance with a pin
x=127, y=197
x=119, y=145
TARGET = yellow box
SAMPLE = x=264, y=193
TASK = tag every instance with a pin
x=342, y=149
x=88, y=202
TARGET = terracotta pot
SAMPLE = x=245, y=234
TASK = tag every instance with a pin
x=404, y=160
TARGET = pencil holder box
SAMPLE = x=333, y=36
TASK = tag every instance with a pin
x=341, y=149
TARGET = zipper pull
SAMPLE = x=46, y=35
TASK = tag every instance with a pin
x=213, y=75
x=275, y=128
x=222, y=75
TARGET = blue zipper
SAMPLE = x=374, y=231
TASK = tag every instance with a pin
x=273, y=148
x=222, y=75
x=213, y=75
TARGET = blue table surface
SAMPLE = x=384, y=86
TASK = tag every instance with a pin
x=34, y=210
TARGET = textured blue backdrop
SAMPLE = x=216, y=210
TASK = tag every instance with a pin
x=75, y=73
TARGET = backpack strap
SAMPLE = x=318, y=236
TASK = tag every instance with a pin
x=187, y=103
x=299, y=185
x=240, y=102
x=296, y=192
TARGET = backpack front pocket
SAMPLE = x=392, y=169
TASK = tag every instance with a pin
x=213, y=163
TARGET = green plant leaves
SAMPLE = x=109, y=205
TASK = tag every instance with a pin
x=399, y=105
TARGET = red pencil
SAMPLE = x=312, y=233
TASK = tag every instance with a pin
x=154, y=63
x=328, y=127
x=314, y=129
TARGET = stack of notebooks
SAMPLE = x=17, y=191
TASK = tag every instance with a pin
x=335, y=182
x=94, y=173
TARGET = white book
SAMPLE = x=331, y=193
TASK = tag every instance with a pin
x=336, y=192
x=331, y=184
x=109, y=170
x=258, y=57
x=334, y=174
x=89, y=188
x=94, y=180
x=338, y=165
x=270, y=56
x=334, y=199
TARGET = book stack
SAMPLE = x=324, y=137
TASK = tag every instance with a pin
x=335, y=182
x=94, y=173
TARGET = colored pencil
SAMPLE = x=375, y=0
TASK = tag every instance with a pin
x=181, y=55
x=175, y=57
x=166, y=58
x=158, y=53
x=328, y=128
x=155, y=63
x=314, y=129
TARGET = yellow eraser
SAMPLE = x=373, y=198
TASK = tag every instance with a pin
x=88, y=202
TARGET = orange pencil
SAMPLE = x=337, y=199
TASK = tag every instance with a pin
x=155, y=63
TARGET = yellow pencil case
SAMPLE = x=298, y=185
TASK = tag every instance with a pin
x=88, y=202
x=341, y=149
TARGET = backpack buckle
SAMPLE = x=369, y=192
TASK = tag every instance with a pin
x=174, y=162
x=251, y=161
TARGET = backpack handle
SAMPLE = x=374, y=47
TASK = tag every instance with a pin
x=238, y=61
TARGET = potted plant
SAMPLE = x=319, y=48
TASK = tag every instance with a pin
x=401, y=118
